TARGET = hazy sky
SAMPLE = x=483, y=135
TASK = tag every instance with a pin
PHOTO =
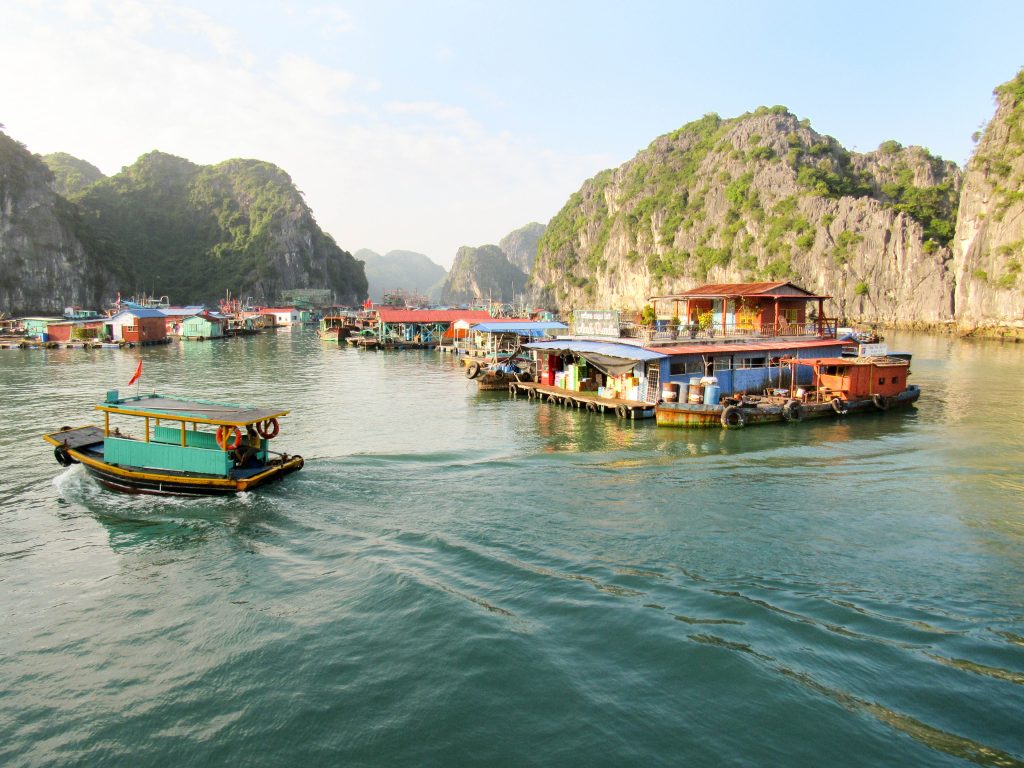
x=426, y=126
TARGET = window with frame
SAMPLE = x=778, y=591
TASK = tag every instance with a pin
x=750, y=362
x=721, y=363
x=693, y=365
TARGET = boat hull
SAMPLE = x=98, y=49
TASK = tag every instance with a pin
x=694, y=416
x=137, y=480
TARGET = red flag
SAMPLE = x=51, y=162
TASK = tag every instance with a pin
x=368, y=304
x=138, y=373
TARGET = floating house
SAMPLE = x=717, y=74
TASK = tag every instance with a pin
x=76, y=330
x=137, y=325
x=761, y=309
x=176, y=316
x=425, y=326
x=38, y=327
x=282, y=316
x=205, y=325
x=736, y=333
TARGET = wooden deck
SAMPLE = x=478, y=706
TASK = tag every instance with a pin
x=591, y=401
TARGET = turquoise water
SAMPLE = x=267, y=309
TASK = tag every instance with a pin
x=458, y=578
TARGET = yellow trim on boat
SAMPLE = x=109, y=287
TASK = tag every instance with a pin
x=193, y=419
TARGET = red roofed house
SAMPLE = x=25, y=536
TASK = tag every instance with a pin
x=765, y=309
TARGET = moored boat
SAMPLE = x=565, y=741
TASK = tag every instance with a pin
x=187, y=458
x=840, y=386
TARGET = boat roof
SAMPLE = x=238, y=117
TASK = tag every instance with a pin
x=181, y=409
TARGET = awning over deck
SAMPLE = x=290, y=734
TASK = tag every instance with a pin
x=177, y=409
x=521, y=328
x=610, y=357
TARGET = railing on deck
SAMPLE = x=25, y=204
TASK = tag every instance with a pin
x=664, y=332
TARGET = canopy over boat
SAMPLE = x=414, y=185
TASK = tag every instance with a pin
x=179, y=409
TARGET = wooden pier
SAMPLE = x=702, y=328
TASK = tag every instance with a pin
x=590, y=401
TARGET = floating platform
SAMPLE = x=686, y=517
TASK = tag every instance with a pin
x=590, y=401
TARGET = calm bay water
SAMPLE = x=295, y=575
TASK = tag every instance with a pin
x=458, y=578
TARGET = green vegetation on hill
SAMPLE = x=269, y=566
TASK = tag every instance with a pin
x=72, y=175
x=194, y=232
x=729, y=193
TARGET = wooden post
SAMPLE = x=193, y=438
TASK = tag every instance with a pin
x=182, y=433
x=106, y=423
x=147, y=429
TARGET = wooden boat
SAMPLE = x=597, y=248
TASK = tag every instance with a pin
x=178, y=452
x=335, y=328
x=841, y=386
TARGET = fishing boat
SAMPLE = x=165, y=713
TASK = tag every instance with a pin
x=496, y=376
x=180, y=447
x=334, y=328
x=840, y=386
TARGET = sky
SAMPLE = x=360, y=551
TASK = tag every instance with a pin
x=426, y=126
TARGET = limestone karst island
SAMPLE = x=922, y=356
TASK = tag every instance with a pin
x=463, y=384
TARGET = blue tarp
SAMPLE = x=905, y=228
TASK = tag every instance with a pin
x=521, y=328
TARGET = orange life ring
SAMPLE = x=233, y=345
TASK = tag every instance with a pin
x=268, y=429
x=229, y=438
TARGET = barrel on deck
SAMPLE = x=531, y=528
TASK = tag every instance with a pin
x=712, y=393
x=670, y=392
x=694, y=394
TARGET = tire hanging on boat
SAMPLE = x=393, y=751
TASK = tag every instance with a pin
x=881, y=402
x=63, y=456
x=793, y=410
x=622, y=411
x=839, y=406
x=472, y=370
x=592, y=407
x=733, y=418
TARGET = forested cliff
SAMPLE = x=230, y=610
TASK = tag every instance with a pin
x=163, y=225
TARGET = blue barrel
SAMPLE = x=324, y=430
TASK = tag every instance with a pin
x=711, y=394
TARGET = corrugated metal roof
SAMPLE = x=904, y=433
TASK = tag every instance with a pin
x=745, y=346
x=714, y=290
x=524, y=328
x=182, y=311
x=430, y=315
x=140, y=312
x=624, y=351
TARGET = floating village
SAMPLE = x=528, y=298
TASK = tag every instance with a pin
x=717, y=356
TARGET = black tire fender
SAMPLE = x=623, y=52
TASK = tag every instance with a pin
x=733, y=418
x=793, y=410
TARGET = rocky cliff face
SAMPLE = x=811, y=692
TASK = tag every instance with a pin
x=405, y=270
x=762, y=196
x=989, y=242
x=480, y=274
x=194, y=232
x=520, y=246
x=48, y=257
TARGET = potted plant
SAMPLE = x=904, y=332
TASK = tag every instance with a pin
x=706, y=323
